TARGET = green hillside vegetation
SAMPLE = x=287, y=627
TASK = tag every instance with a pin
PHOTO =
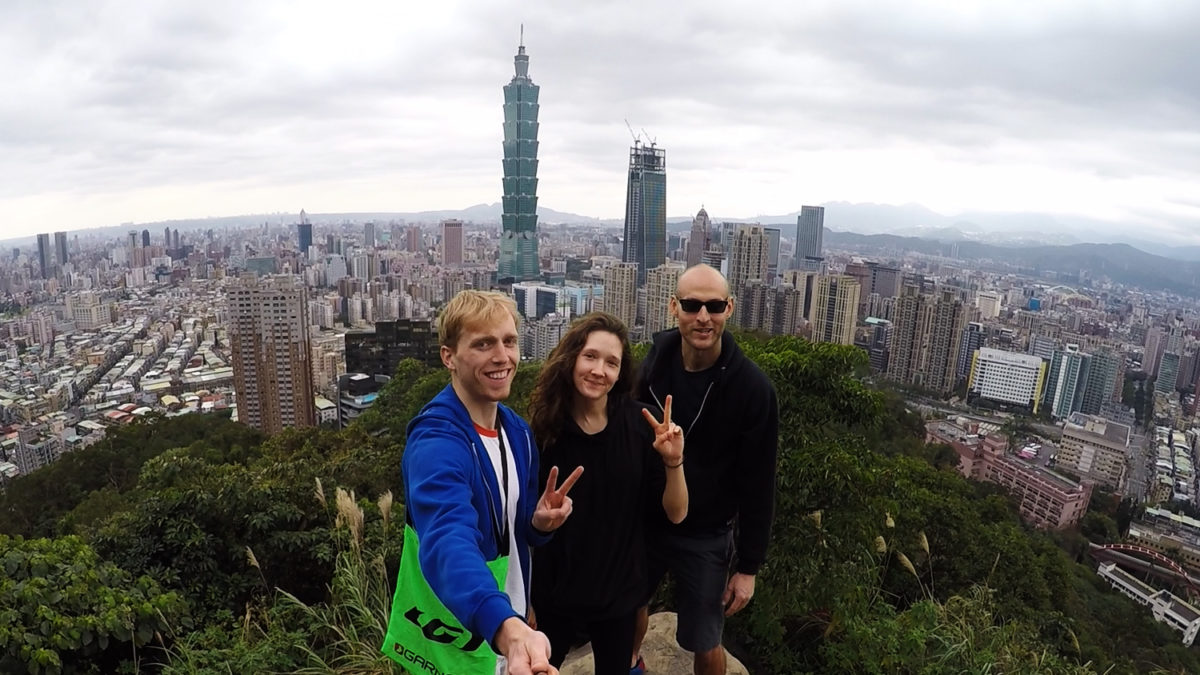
x=193, y=545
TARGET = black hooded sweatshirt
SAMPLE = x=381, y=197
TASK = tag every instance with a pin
x=730, y=419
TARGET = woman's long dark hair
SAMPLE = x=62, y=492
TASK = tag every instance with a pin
x=553, y=395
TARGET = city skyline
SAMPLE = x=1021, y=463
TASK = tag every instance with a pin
x=1077, y=109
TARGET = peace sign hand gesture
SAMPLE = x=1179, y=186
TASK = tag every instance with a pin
x=554, y=506
x=668, y=436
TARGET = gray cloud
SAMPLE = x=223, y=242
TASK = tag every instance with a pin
x=112, y=99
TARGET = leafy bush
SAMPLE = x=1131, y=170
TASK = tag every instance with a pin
x=63, y=610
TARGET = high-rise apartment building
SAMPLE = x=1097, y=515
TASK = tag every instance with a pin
x=412, y=239
x=880, y=345
x=1103, y=380
x=748, y=255
x=755, y=306
x=1170, y=359
x=544, y=335
x=861, y=272
x=949, y=315
x=835, y=309
x=452, y=242
x=789, y=310
x=698, y=240
x=773, y=241
x=810, y=235
x=973, y=338
x=805, y=283
x=518, y=218
x=1066, y=381
x=1168, y=373
x=269, y=342
x=45, y=266
x=620, y=291
x=646, y=209
x=910, y=326
x=304, y=231
x=885, y=280
x=1155, y=345
x=60, y=248
x=661, y=283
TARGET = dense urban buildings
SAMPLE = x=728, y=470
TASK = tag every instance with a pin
x=519, y=236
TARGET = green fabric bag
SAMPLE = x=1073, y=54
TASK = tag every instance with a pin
x=423, y=636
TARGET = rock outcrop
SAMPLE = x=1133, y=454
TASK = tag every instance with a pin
x=663, y=656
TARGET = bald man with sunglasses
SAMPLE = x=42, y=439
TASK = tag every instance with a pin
x=730, y=417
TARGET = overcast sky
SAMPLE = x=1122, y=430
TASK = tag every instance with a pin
x=144, y=111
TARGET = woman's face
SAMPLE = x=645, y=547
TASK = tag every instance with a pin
x=598, y=365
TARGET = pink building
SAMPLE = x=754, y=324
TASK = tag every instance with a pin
x=1045, y=499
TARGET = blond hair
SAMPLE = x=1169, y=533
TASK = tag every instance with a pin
x=472, y=308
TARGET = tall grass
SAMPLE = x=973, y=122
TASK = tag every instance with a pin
x=340, y=636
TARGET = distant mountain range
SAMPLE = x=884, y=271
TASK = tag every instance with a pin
x=1121, y=263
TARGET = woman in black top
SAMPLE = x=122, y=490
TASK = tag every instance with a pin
x=589, y=581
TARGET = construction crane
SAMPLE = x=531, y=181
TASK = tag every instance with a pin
x=637, y=140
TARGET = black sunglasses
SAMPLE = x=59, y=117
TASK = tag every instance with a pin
x=691, y=305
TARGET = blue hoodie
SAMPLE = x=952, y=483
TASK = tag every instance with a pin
x=453, y=502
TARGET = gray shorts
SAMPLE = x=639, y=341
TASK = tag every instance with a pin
x=699, y=567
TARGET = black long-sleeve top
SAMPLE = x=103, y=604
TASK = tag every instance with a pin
x=595, y=566
x=730, y=419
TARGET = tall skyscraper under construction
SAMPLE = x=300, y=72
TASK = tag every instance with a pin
x=646, y=209
x=518, y=239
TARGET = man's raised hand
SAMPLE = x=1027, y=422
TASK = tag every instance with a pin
x=668, y=436
x=555, y=506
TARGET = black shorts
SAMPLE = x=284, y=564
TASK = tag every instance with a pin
x=699, y=565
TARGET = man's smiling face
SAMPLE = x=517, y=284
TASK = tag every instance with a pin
x=485, y=359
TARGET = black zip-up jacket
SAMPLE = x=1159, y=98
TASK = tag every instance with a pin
x=730, y=447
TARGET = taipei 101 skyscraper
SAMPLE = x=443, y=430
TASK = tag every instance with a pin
x=518, y=240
